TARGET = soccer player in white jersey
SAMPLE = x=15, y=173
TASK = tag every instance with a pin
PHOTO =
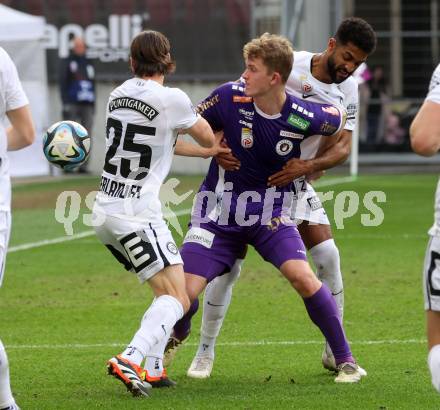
x=15, y=106
x=143, y=120
x=425, y=140
x=324, y=78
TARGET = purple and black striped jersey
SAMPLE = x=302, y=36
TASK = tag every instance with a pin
x=261, y=142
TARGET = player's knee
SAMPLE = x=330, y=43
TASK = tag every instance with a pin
x=301, y=277
x=326, y=257
x=235, y=271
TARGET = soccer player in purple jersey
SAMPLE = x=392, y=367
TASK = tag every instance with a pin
x=324, y=78
x=264, y=127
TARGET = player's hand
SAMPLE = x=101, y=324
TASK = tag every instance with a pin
x=225, y=158
x=292, y=169
x=314, y=176
x=219, y=147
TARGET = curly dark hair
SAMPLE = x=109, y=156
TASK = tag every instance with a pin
x=150, y=54
x=358, y=32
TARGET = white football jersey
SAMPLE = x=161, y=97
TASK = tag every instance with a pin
x=12, y=97
x=143, y=118
x=302, y=84
x=434, y=96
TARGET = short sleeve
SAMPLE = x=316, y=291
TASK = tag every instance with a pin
x=351, y=105
x=213, y=108
x=12, y=89
x=182, y=113
x=434, y=87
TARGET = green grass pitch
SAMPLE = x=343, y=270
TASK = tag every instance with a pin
x=66, y=308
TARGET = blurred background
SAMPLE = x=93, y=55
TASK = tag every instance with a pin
x=207, y=38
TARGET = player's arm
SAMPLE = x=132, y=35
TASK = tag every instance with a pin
x=333, y=152
x=21, y=133
x=425, y=129
x=188, y=149
x=202, y=133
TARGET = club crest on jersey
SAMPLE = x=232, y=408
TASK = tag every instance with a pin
x=247, y=139
x=307, y=88
x=284, y=147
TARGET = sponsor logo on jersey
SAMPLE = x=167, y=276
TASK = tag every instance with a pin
x=298, y=122
x=302, y=110
x=248, y=114
x=210, y=102
x=305, y=96
x=328, y=128
x=331, y=110
x=237, y=87
x=247, y=139
x=245, y=123
x=172, y=248
x=314, y=203
x=133, y=104
x=351, y=111
x=284, y=147
x=288, y=134
x=241, y=99
x=119, y=189
x=200, y=236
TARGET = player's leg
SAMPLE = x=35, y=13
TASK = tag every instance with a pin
x=316, y=233
x=208, y=257
x=216, y=301
x=431, y=287
x=150, y=252
x=325, y=255
x=289, y=256
x=433, y=328
x=6, y=398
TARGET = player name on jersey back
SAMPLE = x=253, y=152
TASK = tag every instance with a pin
x=117, y=189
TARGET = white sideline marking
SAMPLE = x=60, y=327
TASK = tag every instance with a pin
x=334, y=181
x=230, y=344
x=66, y=238
x=61, y=239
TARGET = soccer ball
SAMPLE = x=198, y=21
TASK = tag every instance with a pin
x=66, y=144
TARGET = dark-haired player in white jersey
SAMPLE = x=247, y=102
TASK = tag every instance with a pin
x=143, y=121
x=324, y=78
x=15, y=106
x=425, y=140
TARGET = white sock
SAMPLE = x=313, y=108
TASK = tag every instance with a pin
x=434, y=366
x=325, y=256
x=154, y=360
x=216, y=301
x=326, y=259
x=6, y=398
x=157, y=322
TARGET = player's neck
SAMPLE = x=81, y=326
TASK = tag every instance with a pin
x=271, y=103
x=159, y=78
x=319, y=68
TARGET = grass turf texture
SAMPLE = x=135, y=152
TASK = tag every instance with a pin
x=67, y=308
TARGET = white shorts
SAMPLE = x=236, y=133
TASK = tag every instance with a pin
x=143, y=248
x=308, y=206
x=431, y=275
x=5, y=230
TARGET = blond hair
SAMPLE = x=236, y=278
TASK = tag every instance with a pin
x=275, y=51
